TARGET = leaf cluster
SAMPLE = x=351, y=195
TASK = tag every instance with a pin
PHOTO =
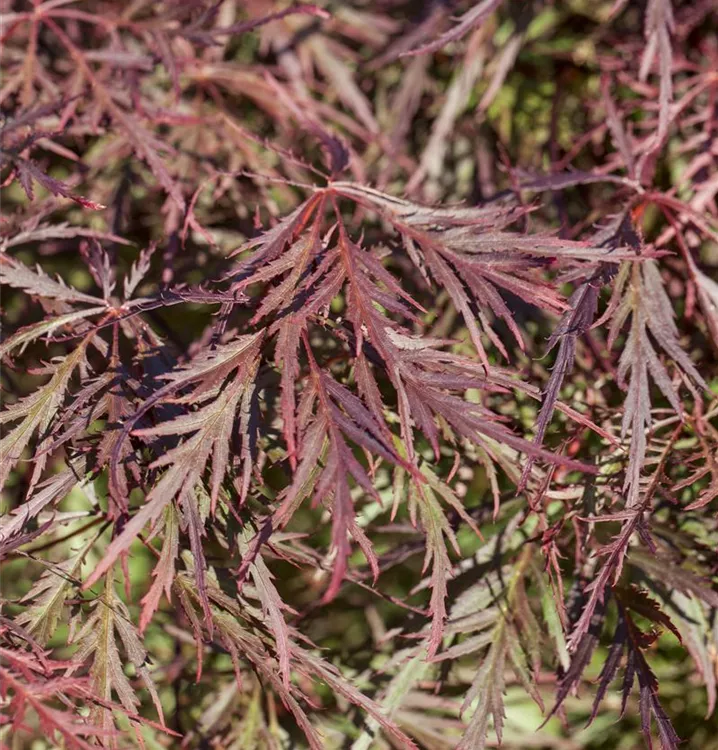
x=359, y=373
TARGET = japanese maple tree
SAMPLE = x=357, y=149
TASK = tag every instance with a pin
x=359, y=372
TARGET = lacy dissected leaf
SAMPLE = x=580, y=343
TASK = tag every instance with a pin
x=326, y=672
x=61, y=230
x=650, y=310
x=97, y=641
x=659, y=24
x=638, y=601
x=34, y=685
x=51, y=491
x=678, y=577
x=634, y=641
x=582, y=652
x=230, y=626
x=414, y=671
x=453, y=241
x=39, y=284
x=424, y=501
x=634, y=525
x=493, y=617
x=35, y=413
x=211, y=428
x=328, y=462
x=49, y=595
x=273, y=609
x=28, y=172
x=573, y=324
x=487, y=687
x=163, y=573
x=468, y=255
x=24, y=336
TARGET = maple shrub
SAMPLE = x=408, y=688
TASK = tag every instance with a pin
x=359, y=374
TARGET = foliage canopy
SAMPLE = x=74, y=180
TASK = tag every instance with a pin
x=359, y=373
